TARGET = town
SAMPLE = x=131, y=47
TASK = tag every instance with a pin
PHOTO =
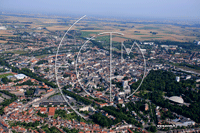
x=35, y=66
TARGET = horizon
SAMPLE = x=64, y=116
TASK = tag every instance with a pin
x=157, y=10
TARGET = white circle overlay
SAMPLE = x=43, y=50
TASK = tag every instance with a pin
x=56, y=67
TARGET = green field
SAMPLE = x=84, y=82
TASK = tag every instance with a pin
x=87, y=33
x=103, y=38
x=17, y=52
x=5, y=75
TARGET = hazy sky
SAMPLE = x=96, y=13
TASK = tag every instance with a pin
x=175, y=9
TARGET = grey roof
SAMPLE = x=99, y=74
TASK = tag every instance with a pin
x=176, y=99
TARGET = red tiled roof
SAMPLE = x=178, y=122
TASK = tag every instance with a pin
x=52, y=111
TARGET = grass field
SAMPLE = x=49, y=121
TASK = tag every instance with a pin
x=5, y=75
x=16, y=52
x=88, y=33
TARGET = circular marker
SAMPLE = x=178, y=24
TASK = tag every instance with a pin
x=76, y=61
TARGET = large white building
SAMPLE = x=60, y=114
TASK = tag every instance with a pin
x=176, y=99
x=20, y=76
x=87, y=108
x=177, y=79
x=183, y=122
x=125, y=84
x=2, y=28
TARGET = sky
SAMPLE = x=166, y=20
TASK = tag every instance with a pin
x=172, y=9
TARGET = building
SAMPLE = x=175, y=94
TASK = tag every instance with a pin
x=120, y=101
x=125, y=84
x=143, y=51
x=188, y=77
x=13, y=78
x=36, y=105
x=177, y=79
x=51, y=111
x=148, y=43
x=2, y=28
x=176, y=99
x=135, y=79
x=183, y=122
x=20, y=76
x=127, y=90
x=197, y=80
x=43, y=110
x=126, y=87
x=87, y=108
x=146, y=107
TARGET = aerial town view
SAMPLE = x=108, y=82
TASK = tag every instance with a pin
x=99, y=66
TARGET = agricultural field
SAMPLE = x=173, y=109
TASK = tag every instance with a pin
x=88, y=28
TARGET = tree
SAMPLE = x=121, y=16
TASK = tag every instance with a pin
x=152, y=129
x=5, y=80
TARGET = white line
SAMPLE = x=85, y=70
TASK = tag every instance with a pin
x=111, y=32
x=77, y=76
x=122, y=58
x=110, y=64
x=144, y=71
x=57, y=72
x=128, y=52
x=111, y=56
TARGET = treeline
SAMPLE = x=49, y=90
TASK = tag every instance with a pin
x=137, y=107
x=41, y=62
x=29, y=73
x=102, y=120
x=121, y=116
x=28, y=82
x=193, y=111
x=5, y=80
x=190, y=66
x=98, y=100
x=77, y=97
x=98, y=44
x=4, y=63
x=6, y=102
x=70, y=130
x=163, y=81
x=30, y=92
